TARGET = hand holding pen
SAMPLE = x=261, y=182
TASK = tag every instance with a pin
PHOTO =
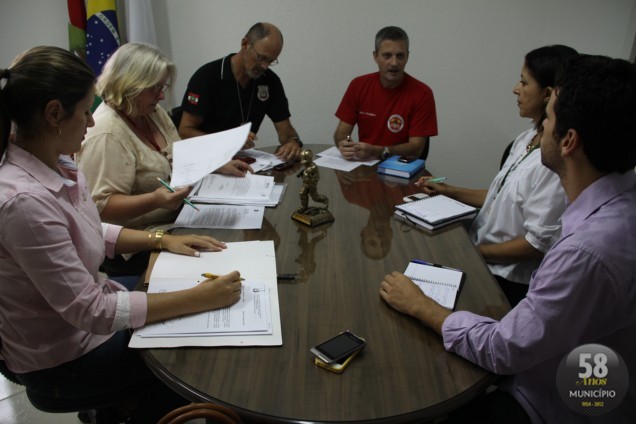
x=215, y=276
x=347, y=148
x=172, y=190
x=284, y=277
x=221, y=291
x=430, y=185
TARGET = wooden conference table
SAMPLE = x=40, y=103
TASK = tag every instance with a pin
x=404, y=374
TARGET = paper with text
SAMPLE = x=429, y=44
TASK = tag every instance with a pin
x=264, y=160
x=250, y=315
x=217, y=188
x=236, y=217
x=255, y=260
x=439, y=283
x=332, y=158
x=194, y=158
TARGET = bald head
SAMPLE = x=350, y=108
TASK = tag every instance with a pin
x=260, y=49
x=262, y=30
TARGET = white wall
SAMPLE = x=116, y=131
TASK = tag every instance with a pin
x=469, y=52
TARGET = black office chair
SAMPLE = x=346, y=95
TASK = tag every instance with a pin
x=424, y=153
x=176, y=114
x=94, y=411
x=8, y=374
x=505, y=154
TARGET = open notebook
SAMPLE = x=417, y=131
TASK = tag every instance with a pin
x=435, y=211
x=440, y=283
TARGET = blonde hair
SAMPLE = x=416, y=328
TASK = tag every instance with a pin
x=133, y=68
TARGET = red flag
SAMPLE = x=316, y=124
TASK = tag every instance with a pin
x=77, y=27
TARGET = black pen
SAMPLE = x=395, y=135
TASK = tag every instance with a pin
x=286, y=276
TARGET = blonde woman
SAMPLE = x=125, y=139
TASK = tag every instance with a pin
x=130, y=147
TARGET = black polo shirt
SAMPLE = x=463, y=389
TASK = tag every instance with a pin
x=213, y=93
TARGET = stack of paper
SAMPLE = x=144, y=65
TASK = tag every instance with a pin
x=196, y=157
x=332, y=158
x=253, y=321
x=222, y=189
x=231, y=217
x=435, y=211
x=263, y=160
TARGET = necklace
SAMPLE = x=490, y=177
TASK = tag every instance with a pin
x=143, y=133
x=529, y=149
x=244, y=118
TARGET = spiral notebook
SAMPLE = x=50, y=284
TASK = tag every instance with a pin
x=442, y=284
x=435, y=211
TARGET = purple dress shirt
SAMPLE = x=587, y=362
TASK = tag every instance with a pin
x=54, y=304
x=583, y=292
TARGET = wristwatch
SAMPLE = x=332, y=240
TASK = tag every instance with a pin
x=385, y=153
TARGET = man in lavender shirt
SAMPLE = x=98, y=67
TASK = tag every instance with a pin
x=584, y=291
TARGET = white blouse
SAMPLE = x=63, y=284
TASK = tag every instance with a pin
x=529, y=204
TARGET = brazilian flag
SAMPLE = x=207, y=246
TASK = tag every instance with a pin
x=102, y=32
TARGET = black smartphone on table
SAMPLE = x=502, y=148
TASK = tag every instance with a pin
x=247, y=159
x=338, y=347
x=406, y=159
x=283, y=166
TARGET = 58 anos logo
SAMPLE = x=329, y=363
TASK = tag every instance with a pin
x=592, y=379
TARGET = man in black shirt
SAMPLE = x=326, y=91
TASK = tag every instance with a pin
x=242, y=88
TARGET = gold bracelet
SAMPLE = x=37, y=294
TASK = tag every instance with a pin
x=150, y=243
x=158, y=239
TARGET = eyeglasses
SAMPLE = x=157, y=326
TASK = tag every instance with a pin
x=159, y=88
x=264, y=59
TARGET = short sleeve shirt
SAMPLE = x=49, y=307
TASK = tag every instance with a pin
x=214, y=94
x=387, y=117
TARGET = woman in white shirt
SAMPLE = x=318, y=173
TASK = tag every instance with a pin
x=519, y=216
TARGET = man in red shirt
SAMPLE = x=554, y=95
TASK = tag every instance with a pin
x=395, y=113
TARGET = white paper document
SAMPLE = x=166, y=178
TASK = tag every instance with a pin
x=440, y=283
x=194, y=158
x=254, y=321
x=216, y=188
x=332, y=158
x=264, y=160
x=235, y=217
x=250, y=315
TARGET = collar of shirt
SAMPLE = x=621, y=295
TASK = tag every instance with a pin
x=593, y=197
x=50, y=179
x=226, y=68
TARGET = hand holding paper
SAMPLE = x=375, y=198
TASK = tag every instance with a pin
x=196, y=157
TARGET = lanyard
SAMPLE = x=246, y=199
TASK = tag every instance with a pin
x=513, y=167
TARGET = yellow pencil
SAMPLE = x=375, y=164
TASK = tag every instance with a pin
x=214, y=276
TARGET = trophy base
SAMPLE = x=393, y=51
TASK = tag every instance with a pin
x=313, y=216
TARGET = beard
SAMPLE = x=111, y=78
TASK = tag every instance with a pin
x=255, y=73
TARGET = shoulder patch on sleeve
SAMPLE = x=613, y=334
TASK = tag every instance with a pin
x=193, y=98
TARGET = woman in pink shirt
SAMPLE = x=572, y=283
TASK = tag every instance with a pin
x=63, y=327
